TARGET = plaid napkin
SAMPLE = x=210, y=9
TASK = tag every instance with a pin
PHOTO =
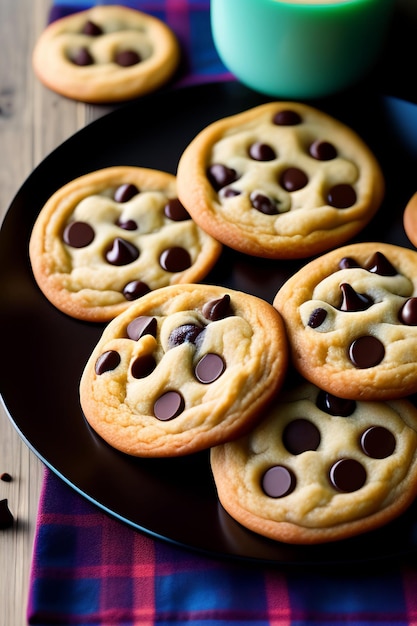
x=91, y=569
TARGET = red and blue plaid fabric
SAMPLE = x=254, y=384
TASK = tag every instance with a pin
x=91, y=569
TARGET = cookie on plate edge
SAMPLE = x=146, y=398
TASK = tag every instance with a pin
x=318, y=468
x=351, y=320
x=106, y=238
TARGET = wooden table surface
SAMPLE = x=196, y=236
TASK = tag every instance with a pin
x=33, y=121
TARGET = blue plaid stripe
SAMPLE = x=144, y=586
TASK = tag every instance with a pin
x=354, y=597
x=200, y=590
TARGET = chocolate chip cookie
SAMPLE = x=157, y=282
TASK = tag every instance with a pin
x=108, y=237
x=184, y=368
x=282, y=180
x=351, y=318
x=106, y=54
x=318, y=468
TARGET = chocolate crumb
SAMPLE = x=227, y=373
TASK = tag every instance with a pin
x=6, y=518
x=5, y=477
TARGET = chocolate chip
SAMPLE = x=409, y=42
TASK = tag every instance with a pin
x=287, y=118
x=278, y=481
x=209, y=368
x=91, y=28
x=127, y=224
x=143, y=366
x=301, y=435
x=347, y=475
x=135, y=289
x=168, y=406
x=354, y=301
x=229, y=192
x=379, y=264
x=78, y=234
x=6, y=517
x=182, y=334
x=366, y=351
x=175, y=211
x=293, y=179
x=126, y=58
x=347, y=263
x=220, y=175
x=142, y=325
x=261, y=152
x=341, y=196
x=107, y=362
x=125, y=192
x=5, y=477
x=218, y=309
x=175, y=259
x=263, y=204
x=317, y=317
x=82, y=57
x=333, y=405
x=408, y=312
x=378, y=442
x=121, y=252
x=322, y=150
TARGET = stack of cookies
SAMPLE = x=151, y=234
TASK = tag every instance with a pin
x=335, y=456
x=302, y=401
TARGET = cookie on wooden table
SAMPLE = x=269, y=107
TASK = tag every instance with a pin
x=106, y=54
x=351, y=319
x=184, y=368
x=108, y=237
x=318, y=468
x=282, y=180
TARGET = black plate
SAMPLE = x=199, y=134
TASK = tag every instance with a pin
x=44, y=351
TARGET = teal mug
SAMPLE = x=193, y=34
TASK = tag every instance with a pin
x=299, y=48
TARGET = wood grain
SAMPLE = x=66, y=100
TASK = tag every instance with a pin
x=33, y=121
